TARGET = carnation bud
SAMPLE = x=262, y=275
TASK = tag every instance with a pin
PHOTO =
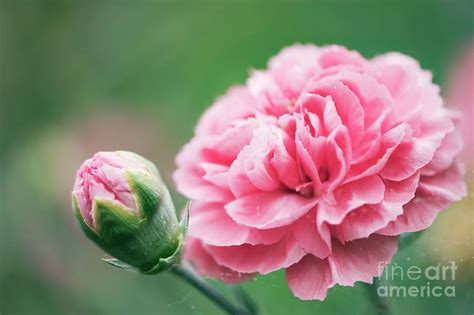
x=122, y=205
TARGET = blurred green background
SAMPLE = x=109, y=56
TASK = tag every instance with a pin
x=81, y=76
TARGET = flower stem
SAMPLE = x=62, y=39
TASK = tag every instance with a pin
x=245, y=299
x=380, y=303
x=186, y=272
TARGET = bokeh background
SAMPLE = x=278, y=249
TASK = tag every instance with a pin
x=81, y=76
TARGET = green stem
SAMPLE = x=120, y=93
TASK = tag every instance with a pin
x=245, y=299
x=380, y=303
x=186, y=272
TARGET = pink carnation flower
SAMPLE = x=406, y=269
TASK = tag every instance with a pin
x=317, y=165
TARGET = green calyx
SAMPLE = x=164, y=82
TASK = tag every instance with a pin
x=163, y=263
x=149, y=240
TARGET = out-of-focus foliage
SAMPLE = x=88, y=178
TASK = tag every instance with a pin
x=82, y=76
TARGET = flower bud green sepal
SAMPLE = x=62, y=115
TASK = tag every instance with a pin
x=148, y=241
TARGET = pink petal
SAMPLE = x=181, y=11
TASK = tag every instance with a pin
x=309, y=238
x=225, y=147
x=369, y=190
x=444, y=156
x=396, y=73
x=189, y=177
x=216, y=174
x=373, y=96
x=237, y=103
x=368, y=146
x=284, y=164
x=190, y=182
x=361, y=260
x=417, y=215
x=261, y=173
x=435, y=194
x=448, y=184
x=322, y=107
x=303, y=143
x=390, y=141
x=252, y=171
x=338, y=152
x=271, y=98
x=292, y=68
x=401, y=192
x=347, y=105
x=366, y=220
x=417, y=151
x=407, y=158
x=258, y=258
x=335, y=55
x=210, y=223
x=310, y=278
x=207, y=266
x=264, y=210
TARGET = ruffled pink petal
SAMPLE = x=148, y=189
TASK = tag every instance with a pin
x=216, y=174
x=189, y=175
x=258, y=258
x=417, y=215
x=236, y=104
x=322, y=107
x=308, y=236
x=334, y=55
x=444, y=156
x=293, y=67
x=310, y=278
x=307, y=147
x=373, y=96
x=338, y=152
x=401, y=192
x=261, y=173
x=208, y=267
x=347, y=104
x=366, y=220
x=225, y=147
x=447, y=184
x=435, y=194
x=195, y=158
x=190, y=182
x=252, y=171
x=369, y=190
x=210, y=223
x=361, y=260
x=264, y=210
x=271, y=99
x=411, y=156
x=390, y=141
x=396, y=73
x=285, y=164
